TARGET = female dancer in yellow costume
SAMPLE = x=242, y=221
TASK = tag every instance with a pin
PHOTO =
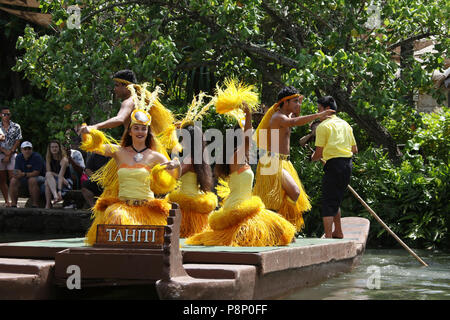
x=243, y=219
x=193, y=195
x=142, y=171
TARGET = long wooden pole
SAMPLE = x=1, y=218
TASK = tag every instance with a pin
x=384, y=225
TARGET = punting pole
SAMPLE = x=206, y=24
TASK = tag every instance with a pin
x=385, y=226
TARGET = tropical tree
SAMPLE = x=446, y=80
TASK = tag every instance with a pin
x=321, y=47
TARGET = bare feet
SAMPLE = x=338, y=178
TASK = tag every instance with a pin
x=336, y=235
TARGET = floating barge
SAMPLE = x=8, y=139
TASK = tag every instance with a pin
x=59, y=268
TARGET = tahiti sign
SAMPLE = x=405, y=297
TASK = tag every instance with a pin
x=125, y=235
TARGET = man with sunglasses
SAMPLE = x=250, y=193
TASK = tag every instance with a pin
x=12, y=135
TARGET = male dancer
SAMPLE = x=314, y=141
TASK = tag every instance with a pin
x=277, y=182
x=122, y=79
x=162, y=118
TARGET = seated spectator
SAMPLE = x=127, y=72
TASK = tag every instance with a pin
x=76, y=168
x=76, y=165
x=89, y=188
x=75, y=155
x=28, y=175
x=58, y=179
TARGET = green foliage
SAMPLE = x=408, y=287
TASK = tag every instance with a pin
x=431, y=139
x=171, y=44
x=33, y=115
x=411, y=198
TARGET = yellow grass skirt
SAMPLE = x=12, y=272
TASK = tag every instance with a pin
x=194, y=211
x=249, y=225
x=269, y=189
x=114, y=211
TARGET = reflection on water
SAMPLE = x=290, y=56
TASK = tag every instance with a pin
x=395, y=273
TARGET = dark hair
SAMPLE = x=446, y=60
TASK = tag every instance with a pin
x=126, y=74
x=3, y=107
x=286, y=92
x=222, y=170
x=327, y=101
x=128, y=141
x=202, y=170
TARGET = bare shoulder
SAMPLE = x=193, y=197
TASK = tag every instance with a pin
x=277, y=120
x=128, y=103
x=157, y=157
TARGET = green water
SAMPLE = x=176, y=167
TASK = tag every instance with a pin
x=381, y=275
x=400, y=277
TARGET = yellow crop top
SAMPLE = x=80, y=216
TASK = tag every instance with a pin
x=134, y=183
x=240, y=184
x=189, y=184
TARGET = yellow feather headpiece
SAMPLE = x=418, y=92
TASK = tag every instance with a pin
x=162, y=119
x=230, y=99
x=142, y=98
x=197, y=109
x=139, y=116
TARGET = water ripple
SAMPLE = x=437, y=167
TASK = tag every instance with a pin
x=401, y=278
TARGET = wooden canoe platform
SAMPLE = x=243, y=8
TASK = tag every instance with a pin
x=33, y=269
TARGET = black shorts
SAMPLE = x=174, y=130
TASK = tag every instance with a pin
x=334, y=184
x=93, y=187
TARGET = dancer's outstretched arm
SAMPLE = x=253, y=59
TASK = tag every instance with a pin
x=124, y=113
x=285, y=121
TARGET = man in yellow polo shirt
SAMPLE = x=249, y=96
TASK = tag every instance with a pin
x=335, y=145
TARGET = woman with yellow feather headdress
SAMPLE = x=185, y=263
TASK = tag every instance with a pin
x=162, y=121
x=242, y=220
x=141, y=172
x=193, y=194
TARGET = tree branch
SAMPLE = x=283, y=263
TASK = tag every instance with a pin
x=318, y=18
x=267, y=54
x=117, y=4
x=249, y=47
x=296, y=35
x=411, y=39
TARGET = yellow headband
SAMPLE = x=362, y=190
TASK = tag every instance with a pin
x=139, y=116
x=288, y=98
x=122, y=81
